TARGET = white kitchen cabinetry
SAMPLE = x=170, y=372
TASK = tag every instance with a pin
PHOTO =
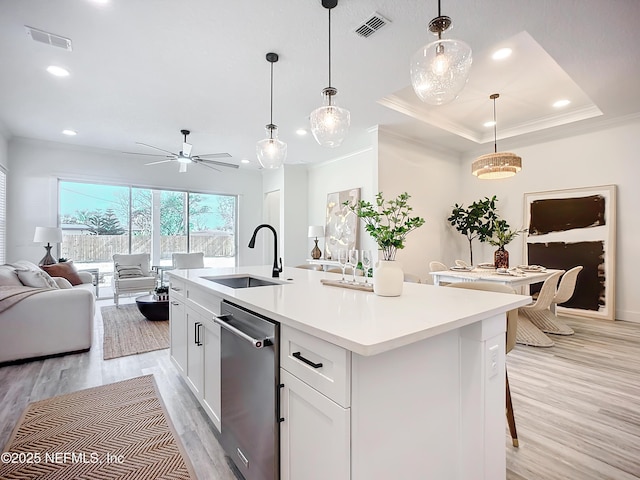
x=314, y=436
x=195, y=344
x=314, y=403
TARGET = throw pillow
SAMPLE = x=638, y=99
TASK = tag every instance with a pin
x=36, y=278
x=129, y=271
x=63, y=283
x=65, y=270
x=9, y=277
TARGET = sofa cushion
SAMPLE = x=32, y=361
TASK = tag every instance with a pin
x=65, y=270
x=36, y=278
x=9, y=276
x=62, y=282
x=129, y=271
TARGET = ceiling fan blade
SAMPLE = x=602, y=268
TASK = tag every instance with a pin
x=160, y=161
x=209, y=166
x=207, y=162
x=215, y=155
x=148, y=154
x=161, y=149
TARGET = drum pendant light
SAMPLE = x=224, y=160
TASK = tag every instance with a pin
x=330, y=123
x=497, y=164
x=271, y=151
x=440, y=69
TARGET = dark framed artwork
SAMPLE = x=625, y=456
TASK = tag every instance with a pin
x=574, y=227
x=341, y=229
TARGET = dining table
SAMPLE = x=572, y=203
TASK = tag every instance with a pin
x=513, y=277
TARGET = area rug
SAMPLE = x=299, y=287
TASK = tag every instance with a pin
x=116, y=431
x=127, y=332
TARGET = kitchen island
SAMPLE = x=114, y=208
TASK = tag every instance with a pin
x=410, y=387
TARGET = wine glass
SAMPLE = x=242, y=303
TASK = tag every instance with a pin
x=353, y=262
x=365, y=258
x=342, y=260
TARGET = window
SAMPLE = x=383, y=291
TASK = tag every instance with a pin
x=100, y=220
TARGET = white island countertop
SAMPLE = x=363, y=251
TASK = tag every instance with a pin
x=362, y=322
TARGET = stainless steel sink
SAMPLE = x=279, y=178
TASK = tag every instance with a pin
x=245, y=281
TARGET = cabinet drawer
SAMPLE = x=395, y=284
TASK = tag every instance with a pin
x=176, y=289
x=322, y=365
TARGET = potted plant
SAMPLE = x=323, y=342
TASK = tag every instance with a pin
x=477, y=221
x=502, y=235
x=388, y=223
x=162, y=293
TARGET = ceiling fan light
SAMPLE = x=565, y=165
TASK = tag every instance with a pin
x=182, y=159
x=271, y=151
x=497, y=165
x=440, y=70
x=182, y=168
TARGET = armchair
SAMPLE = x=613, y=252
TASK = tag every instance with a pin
x=131, y=274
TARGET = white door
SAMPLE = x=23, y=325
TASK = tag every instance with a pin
x=315, y=434
x=211, y=385
x=195, y=351
x=178, y=331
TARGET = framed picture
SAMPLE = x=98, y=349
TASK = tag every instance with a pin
x=567, y=228
x=342, y=224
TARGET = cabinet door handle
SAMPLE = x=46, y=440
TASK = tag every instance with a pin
x=175, y=303
x=176, y=289
x=278, y=413
x=197, y=326
x=299, y=356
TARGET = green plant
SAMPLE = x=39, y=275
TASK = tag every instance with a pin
x=388, y=222
x=503, y=234
x=477, y=221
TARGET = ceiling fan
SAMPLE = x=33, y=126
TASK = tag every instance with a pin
x=184, y=158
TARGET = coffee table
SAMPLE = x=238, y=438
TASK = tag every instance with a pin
x=153, y=309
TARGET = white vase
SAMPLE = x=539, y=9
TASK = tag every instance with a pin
x=388, y=278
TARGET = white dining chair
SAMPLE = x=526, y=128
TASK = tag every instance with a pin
x=566, y=288
x=539, y=315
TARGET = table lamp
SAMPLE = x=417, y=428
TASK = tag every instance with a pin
x=48, y=235
x=316, y=231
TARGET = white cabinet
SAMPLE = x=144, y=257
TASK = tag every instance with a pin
x=195, y=351
x=315, y=434
x=195, y=343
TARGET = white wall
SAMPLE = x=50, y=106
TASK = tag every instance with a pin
x=358, y=170
x=598, y=158
x=35, y=167
x=4, y=148
x=431, y=178
x=295, y=223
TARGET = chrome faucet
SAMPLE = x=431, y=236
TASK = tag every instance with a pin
x=252, y=243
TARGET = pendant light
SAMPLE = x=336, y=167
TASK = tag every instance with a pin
x=498, y=164
x=271, y=151
x=330, y=123
x=439, y=70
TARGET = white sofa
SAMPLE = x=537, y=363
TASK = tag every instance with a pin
x=56, y=321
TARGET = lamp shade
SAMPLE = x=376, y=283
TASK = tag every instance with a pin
x=48, y=235
x=316, y=231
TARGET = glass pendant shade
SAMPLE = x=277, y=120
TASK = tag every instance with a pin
x=330, y=123
x=439, y=70
x=271, y=152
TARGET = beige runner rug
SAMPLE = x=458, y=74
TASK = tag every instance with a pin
x=127, y=332
x=116, y=431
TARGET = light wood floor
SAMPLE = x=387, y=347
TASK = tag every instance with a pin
x=577, y=404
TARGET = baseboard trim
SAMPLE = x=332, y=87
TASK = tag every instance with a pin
x=628, y=316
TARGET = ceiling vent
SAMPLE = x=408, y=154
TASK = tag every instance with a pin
x=48, y=38
x=372, y=25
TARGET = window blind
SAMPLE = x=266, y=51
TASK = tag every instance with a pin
x=3, y=216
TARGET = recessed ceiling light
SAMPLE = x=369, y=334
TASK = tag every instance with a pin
x=301, y=131
x=57, y=71
x=561, y=103
x=71, y=133
x=489, y=124
x=501, y=54
x=244, y=160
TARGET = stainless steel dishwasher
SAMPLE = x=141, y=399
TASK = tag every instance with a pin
x=250, y=387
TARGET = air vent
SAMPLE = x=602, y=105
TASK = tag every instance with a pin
x=372, y=25
x=48, y=38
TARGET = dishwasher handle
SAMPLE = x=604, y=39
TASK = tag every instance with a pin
x=256, y=342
